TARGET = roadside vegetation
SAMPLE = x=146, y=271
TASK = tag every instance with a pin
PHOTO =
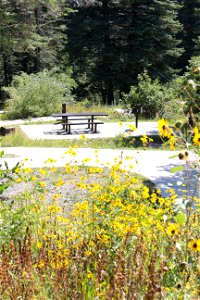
x=90, y=233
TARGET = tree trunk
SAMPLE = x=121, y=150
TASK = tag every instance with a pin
x=107, y=62
x=37, y=50
x=5, y=70
x=25, y=62
x=110, y=93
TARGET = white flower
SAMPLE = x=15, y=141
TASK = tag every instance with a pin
x=192, y=83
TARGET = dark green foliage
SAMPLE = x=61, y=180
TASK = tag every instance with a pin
x=112, y=41
x=189, y=16
x=106, y=42
x=31, y=35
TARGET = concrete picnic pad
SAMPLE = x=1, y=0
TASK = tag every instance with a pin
x=106, y=130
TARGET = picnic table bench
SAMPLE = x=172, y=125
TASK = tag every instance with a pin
x=85, y=118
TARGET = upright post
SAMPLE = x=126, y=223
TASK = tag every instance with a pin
x=64, y=109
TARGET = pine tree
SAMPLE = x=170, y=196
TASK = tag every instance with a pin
x=153, y=43
x=189, y=16
x=31, y=36
x=112, y=41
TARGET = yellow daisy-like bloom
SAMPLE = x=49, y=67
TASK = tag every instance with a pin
x=18, y=180
x=43, y=172
x=172, y=142
x=86, y=160
x=196, y=139
x=50, y=160
x=144, y=139
x=172, y=229
x=132, y=127
x=17, y=170
x=194, y=245
x=83, y=137
x=43, y=184
x=59, y=182
x=54, y=208
x=195, y=130
x=28, y=170
x=163, y=128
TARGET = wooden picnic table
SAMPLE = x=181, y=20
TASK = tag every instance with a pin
x=68, y=119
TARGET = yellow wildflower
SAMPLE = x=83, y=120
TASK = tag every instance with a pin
x=172, y=142
x=83, y=137
x=144, y=139
x=39, y=245
x=50, y=160
x=163, y=128
x=89, y=275
x=41, y=264
x=71, y=151
x=194, y=245
x=86, y=160
x=68, y=169
x=172, y=229
x=161, y=200
x=196, y=139
x=18, y=180
x=43, y=184
x=28, y=170
x=153, y=197
x=53, y=169
x=17, y=170
x=132, y=127
x=145, y=192
x=55, y=196
x=54, y=208
x=195, y=130
x=59, y=182
x=43, y=172
x=88, y=252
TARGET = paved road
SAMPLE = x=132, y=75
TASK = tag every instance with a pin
x=155, y=165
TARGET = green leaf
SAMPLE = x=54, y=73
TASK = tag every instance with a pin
x=173, y=156
x=177, y=169
x=180, y=218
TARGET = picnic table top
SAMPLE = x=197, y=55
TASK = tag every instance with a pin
x=79, y=114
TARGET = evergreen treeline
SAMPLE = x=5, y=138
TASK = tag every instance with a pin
x=107, y=43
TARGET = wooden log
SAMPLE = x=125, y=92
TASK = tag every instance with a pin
x=4, y=131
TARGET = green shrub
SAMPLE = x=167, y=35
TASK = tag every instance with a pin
x=172, y=102
x=192, y=91
x=37, y=95
x=146, y=96
x=153, y=99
